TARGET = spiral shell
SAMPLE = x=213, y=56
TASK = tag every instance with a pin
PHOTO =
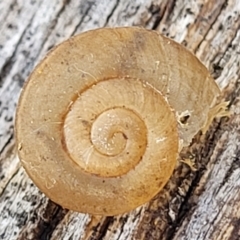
x=101, y=117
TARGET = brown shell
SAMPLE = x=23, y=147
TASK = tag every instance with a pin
x=101, y=117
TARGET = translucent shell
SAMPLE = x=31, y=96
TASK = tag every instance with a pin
x=102, y=118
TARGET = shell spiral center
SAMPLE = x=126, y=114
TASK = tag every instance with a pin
x=107, y=138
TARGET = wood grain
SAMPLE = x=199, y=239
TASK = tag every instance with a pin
x=201, y=204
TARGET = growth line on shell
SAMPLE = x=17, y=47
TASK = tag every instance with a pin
x=43, y=125
x=87, y=73
x=87, y=153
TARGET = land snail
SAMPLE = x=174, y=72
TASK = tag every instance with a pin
x=102, y=119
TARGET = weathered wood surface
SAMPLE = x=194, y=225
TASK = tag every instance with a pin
x=202, y=204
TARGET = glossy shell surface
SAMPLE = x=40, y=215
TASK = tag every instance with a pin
x=101, y=118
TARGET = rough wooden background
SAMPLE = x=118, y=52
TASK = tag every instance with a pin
x=202, y=204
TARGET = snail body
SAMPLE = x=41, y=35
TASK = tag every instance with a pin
x=103, y=117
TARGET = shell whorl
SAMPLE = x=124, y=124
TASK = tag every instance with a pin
x=98, y=121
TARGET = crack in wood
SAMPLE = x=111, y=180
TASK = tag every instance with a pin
x=112, y=12
x=161, y=218
x=221, y=7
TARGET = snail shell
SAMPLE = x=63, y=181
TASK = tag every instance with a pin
x=103, y=116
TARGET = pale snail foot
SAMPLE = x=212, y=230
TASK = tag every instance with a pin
x=219, y=110
x=100, y=119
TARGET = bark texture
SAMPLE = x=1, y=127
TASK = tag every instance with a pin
x=198, y=203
